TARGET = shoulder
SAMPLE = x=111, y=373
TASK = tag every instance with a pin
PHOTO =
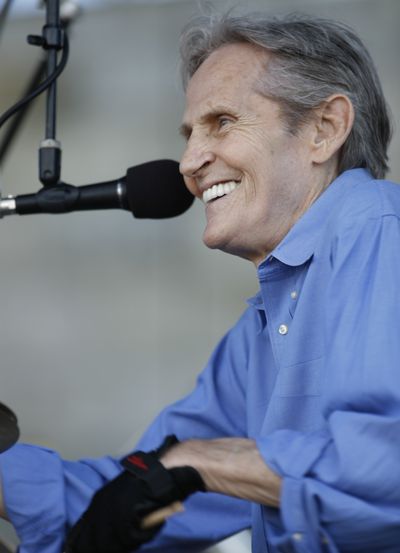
x=367, y=211
x=368, y=199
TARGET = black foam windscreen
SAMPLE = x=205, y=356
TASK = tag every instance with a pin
x=156, y=190
x=9, y=431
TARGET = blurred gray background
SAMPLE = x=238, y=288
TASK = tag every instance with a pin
x=106, y=319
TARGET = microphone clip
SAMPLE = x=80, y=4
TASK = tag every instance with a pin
x=52, y=37
x=60, y=198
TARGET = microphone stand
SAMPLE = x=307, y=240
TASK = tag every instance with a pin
x=52, y=41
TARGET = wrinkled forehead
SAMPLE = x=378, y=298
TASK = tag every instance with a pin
x=230, y=71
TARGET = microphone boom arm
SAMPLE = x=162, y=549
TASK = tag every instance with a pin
x=65, y=198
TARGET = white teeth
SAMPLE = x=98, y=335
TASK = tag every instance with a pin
x=218, y=190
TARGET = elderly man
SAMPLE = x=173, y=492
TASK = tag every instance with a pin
x=293, y=427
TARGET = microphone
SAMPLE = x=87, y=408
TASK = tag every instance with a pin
x=152, y=190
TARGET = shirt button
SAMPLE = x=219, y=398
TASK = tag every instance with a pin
x=283, y=329
x=297, y=536
x=293, y=295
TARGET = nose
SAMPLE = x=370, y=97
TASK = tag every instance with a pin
x=197, y=156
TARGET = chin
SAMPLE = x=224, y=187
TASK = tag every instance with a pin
x=212, y=244
x=217, y=243
x=213, y=240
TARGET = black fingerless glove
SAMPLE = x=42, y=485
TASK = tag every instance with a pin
x=112, y=522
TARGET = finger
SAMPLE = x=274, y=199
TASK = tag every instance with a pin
x=159, y=516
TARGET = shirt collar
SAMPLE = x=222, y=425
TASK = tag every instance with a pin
x=256, y=301
x=299, y=244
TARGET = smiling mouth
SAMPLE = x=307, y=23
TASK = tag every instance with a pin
x=219, y=190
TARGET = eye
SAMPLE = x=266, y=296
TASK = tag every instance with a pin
x=223, y=121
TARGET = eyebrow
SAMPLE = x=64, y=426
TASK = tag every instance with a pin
x=185, y=129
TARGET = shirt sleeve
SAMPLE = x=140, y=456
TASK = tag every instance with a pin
x=45, y=494
x=341, y=485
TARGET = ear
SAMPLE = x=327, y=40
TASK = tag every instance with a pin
x=333, y=122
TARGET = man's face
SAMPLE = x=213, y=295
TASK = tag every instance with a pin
x=255, y=178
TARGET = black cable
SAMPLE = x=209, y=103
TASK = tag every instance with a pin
x=15, y=123
x=41, y=88
x=4, y=14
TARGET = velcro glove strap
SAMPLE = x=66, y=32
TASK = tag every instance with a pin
x=148, y=468
x=165, y=484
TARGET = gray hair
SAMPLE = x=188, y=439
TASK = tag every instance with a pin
x=312, y=58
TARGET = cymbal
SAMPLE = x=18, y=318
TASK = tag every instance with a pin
x=9, y=431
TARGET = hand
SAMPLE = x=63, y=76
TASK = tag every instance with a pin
x=116, y=520
x=231, y=466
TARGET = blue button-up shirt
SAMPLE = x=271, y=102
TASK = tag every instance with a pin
x=311, y=371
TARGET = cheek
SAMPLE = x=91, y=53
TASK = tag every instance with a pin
x=259, y=168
